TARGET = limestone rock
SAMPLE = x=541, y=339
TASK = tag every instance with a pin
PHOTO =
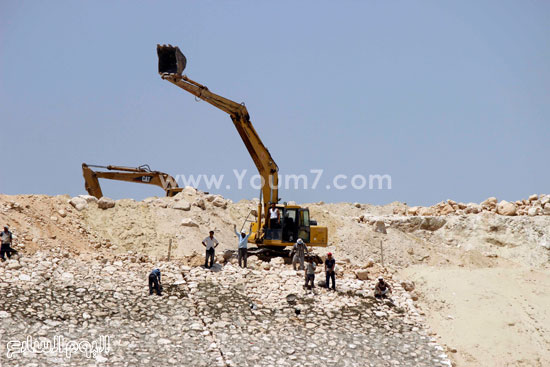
x=188, y=222
x=432, y=223
x=447, y=209
x=362, y=274
x=426, y=211
x=13, y=265
x=506, y=208
x=490, y=202
x=220, y=202
x=181, y=205
x=78, y=203
x=413, y=210
x=106, y=203
x=88, y=198
x=380, y=227
x=200, y=203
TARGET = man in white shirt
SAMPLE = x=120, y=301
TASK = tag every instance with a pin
x=210, y=243
x=274, y=217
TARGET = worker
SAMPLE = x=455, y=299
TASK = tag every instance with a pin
x=310, y=273
x=154, y=282
x=298, y=254
x=382, y=289
x=243, y=245
x=6, y=238
x=274, y=217
x=330, y=267
x=210, y=243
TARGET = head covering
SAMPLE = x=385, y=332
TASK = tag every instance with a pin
x=329, y=254
x=380, y=278
x=300, y=241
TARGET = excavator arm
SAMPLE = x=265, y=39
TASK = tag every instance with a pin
x=171, y=65
x=142, y=174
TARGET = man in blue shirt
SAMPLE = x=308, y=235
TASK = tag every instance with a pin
x=243, y=245
x=154, y=282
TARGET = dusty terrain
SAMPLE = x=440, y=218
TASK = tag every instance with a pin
x=480, y=271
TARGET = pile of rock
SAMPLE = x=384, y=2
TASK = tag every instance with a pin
x=533, y=206
x=205, y=314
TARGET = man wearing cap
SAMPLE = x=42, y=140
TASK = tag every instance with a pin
x=243, y=245
x=154, y=282
x=6, y=238
x=298, y=254
x=382, y=289
x=210, y=243
x=330, y=266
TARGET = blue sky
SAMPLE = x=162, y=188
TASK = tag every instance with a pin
x=449, y=98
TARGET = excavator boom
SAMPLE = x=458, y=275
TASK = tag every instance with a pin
x=294, y=221
x=171, y=65
x=142, y=174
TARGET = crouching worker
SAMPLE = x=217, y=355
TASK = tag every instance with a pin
x=154, y=282
x=382, y=289
x=310, y=274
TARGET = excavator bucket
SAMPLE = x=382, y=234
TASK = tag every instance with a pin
x=171, y=59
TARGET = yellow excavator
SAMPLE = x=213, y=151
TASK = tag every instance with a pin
x=141, y=174
x=293, y=221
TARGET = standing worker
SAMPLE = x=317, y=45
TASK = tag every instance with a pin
x=154, y=282
x=210, y=243
x=299, y=250
x=274, y=217
x=310, y=273
x=330, y=266
x=243, y=245
x=6, y=238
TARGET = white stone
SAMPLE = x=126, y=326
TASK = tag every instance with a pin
x=78, y=203
x=506, y=208
x=181, y=205
x=362, y=274
x=188, y=222
x=109, y=269
x=88, y=198
x=106, y=203
x=67, y=276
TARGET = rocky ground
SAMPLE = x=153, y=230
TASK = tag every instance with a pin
x=476, y=277
x=226, y=316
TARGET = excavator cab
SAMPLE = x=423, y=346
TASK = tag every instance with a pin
x=294, y=224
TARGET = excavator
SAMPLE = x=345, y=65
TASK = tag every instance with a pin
x=142, y=174
x=294, y=221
